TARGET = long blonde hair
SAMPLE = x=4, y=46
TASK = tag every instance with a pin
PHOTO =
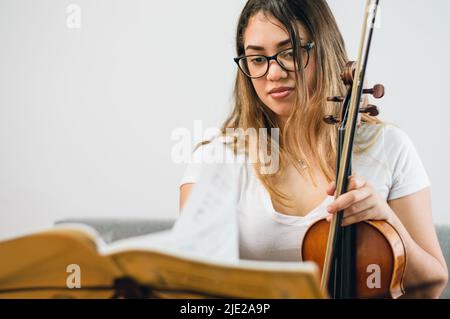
x=304, y=135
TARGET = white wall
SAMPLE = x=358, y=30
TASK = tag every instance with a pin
x=86, y=115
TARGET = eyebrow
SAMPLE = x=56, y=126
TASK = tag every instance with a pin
x=259, y=48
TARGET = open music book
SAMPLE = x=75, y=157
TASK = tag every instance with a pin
x=198, y=258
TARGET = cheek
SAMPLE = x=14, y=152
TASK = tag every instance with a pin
x=310, y=74
x=260, y=88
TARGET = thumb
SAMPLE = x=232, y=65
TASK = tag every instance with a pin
x=331, y=188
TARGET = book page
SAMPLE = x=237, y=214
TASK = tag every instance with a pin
x=207, y=227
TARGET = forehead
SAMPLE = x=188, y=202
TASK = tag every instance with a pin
x=267, y=31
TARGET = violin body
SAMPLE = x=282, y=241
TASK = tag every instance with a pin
x=380, y=258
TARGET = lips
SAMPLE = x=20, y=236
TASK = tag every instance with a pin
x=280, y=89
x=281, y=92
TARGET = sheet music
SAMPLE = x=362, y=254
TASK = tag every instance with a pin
x=208, y=225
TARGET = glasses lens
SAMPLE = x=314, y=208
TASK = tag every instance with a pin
x=286, y=59
x=254, y=66
x=257, y=66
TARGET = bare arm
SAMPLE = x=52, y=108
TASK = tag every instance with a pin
x=185, y=190
x=425, y=261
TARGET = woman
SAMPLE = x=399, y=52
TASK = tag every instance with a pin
x=290, y=56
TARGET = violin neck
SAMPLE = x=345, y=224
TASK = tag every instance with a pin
x=342, y=283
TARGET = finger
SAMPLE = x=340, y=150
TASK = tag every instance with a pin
x=357, y=218
x=360, y=206
x=329, y=216
x=355, y=182
x=346, y=200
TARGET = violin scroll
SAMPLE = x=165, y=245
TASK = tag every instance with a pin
x=347, y=76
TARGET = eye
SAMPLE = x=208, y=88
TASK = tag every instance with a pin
x=288, y=54
x=257, y=60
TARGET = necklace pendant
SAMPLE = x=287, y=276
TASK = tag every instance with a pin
x=303, y=164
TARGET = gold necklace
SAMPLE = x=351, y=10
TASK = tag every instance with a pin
x=303, y=164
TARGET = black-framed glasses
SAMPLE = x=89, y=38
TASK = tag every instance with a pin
x=257, y=66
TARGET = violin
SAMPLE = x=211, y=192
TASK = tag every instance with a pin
x=367, y=259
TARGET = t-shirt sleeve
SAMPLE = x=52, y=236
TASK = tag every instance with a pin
x=408, y=173
x=213, y=152
x=193, y=168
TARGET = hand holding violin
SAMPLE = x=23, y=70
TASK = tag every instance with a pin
x=361, y=202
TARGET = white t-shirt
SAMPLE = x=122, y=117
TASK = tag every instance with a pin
x=391, y=165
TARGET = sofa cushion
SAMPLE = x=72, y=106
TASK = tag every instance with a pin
x=111, y=229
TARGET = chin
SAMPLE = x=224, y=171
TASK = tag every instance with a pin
x=282, y=110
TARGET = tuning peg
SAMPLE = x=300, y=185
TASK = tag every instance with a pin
x=330, y=119
x=372, y=110
x=335, y=99
x=377, y=91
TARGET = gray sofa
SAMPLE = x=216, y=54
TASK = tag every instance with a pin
x=116, y=229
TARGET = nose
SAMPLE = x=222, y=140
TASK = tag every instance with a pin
x=276, y=72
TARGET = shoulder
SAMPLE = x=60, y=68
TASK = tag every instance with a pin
x=385, y=129
x=219, y=149
x=383, y=137
x=386, y=142
x=397, y=145
x=394, y=136
x=390, y=160
x=215, y=153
